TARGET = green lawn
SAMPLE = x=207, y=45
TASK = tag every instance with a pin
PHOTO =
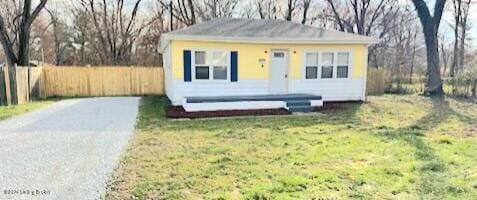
x=392, y=147
x=11, y=111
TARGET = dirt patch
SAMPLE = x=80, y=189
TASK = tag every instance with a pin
x=330, y=107
x=179, y=112
x=471, y=131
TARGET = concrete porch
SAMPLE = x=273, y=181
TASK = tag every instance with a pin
x=291, y=102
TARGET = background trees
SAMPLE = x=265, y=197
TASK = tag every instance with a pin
x=127, y=32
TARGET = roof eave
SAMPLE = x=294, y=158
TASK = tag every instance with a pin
x=369, y=41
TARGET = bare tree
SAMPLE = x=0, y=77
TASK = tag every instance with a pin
x=445, y=55
x=83, y=35
x=360, y=16
x=306, y=7
x=457, y=4
x=16, y=34
x=461, y=14
x=210, y=9
x=464, y=29
x=60, y=36
x=267, y=9
x=182, y=10
x=115, y=29
x=430, y=26
x=248, y=10
x=147, y=51
x=291, y=6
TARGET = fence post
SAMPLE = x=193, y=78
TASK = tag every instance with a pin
x=3, y=92
x=8, y=94
x=12, y=75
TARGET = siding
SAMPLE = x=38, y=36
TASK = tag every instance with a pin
x=330, y=90
x=249, y=55
x=242, y=87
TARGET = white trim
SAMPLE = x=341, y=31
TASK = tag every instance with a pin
x=270, y=40
x=365, y=75
x=320, y=62
x=350, y=65
x=164, y=44
x=239, y=105
x=316, y=103
x=332, y=65
x=208, y=57
x=305, y=65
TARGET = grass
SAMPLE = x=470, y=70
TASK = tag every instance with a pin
x=392, y=147
x=11, y=111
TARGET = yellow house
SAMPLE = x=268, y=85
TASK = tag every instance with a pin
x=257, y=62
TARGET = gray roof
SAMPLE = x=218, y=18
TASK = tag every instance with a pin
x=254, y=30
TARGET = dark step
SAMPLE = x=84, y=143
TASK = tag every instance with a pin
x=300, y=109
x=298, y=103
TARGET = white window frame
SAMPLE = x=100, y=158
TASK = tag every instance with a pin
x=318, y=71
x=349, y=64
x=208, y=58
x=335, y=64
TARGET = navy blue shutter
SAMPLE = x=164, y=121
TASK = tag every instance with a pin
x=187, y=66
x=233, y=66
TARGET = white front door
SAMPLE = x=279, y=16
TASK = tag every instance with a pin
x=278, y=82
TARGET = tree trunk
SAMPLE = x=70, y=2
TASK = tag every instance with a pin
x=306, y=6
x=455, y=57
x=24, y=44
x=430, y=25
x=192, y=12
x=411, y=71
x=289, y=10
x=457, y=20
x=434, y=81
x=7, y=45
x=462, y=43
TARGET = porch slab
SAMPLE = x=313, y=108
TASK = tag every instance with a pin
x=251, y=98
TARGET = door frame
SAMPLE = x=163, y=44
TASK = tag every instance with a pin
x=270, y=57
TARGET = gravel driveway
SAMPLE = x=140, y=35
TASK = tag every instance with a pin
x=65, y=151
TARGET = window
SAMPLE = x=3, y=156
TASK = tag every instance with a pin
x=219, y=61
x=201, y=69
x=311, y=66
x=200, y=57
x=202, y=73
x=327, y=65
x=343, y=65
x=278, y=54
x=311, y=72
x=211, y=65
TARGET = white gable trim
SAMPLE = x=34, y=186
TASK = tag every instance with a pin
x=255, y=40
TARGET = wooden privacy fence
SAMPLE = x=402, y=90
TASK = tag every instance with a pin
x=102, y=81
x=43, y=82
x=27, y=83
x=375, y=84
